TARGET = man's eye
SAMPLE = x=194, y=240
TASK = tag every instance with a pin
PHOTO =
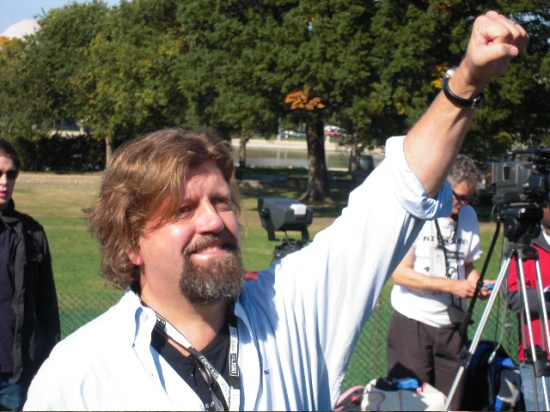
x=184, y=209
x=223, y=202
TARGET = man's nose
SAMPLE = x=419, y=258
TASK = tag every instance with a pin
x=209, y=220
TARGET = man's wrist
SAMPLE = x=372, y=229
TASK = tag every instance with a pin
x=460, y=96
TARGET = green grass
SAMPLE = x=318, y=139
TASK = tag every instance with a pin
x=57, y=202
x=299, y=172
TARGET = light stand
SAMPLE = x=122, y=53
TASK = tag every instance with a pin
x=283, y=214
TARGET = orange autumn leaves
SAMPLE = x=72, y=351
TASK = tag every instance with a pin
x=299, y=100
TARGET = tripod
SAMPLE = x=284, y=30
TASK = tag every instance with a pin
x=522, y=226
x=287, y=247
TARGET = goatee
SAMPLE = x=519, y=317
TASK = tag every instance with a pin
x=218, y=280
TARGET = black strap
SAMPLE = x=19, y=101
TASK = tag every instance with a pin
x=442, y=244
x=473, y=103
x=188, y=368
x=230, y=387
x=447, y=264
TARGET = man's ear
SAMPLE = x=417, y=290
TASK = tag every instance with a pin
x=135, y=256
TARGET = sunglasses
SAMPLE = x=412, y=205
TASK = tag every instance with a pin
x=10, y=174
x=462, y=198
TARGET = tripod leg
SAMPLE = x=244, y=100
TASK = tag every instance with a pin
x=545, y=392
x=545, y=334
x=542, y=308
x=465, y=364
x=530, y=253
x=527, y=316
x=526, y=311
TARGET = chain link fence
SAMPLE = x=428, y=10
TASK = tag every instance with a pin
x=77, y=309
x=369, y=358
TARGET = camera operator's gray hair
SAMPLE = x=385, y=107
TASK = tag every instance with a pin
x=464, y=170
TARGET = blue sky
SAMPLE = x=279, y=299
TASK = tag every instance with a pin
x=13, y=11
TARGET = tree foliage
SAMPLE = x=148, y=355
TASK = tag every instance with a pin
x=417, y=41
x=128, y=80
x=109, y=68
x=38, y=84
x=227, y=70
x=236, y=67
x=247, y=63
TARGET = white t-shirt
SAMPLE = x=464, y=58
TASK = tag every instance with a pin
x=431, y=307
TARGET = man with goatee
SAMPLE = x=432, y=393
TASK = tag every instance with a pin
x=187, y=334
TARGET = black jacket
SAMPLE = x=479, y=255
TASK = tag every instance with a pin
x=34, y=299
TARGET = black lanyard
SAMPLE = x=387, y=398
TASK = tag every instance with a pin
x=447, y=264
x=231, y=389
x=442, y=244
x=192, y=371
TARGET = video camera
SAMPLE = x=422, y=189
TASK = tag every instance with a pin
x=521, y=186
x=282, y=214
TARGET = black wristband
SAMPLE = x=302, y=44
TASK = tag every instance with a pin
x=459, y=101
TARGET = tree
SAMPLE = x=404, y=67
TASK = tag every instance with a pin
x=417, y=41
x=12, y=112
x=110, y=69
x=227, y=70
x=128, y=82
x=39, y=87
x=242, y=61
x=323, y=54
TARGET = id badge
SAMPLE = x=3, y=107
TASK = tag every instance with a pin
x=437, y=263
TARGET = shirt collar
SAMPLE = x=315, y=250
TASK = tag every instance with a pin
x=140, y=330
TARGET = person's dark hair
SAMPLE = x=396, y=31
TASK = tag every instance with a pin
x=7, y=150
x=464, y=169
x=145, y=174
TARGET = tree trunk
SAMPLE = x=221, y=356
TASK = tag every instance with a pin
x=109, y=143
x=317, y=184
x=353, y=153
x=242, y=152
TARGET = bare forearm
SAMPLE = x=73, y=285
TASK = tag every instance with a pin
x=420, y=282
x=406, y=276
x=471, y=272
x=434, y=141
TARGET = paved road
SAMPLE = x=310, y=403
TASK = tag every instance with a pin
x=377, y=153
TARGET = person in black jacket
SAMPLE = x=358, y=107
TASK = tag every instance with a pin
x=29, y=316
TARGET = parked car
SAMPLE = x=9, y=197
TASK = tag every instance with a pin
x=365, y=166
x=332, y=131
x=293, y=133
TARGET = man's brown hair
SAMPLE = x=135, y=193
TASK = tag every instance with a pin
x=145, y=174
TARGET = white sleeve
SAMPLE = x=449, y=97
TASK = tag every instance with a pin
x=328, y=290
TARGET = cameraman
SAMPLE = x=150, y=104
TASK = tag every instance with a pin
x=513, y=298
x=431, y=286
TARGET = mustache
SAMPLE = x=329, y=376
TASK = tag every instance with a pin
x=224, y=238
